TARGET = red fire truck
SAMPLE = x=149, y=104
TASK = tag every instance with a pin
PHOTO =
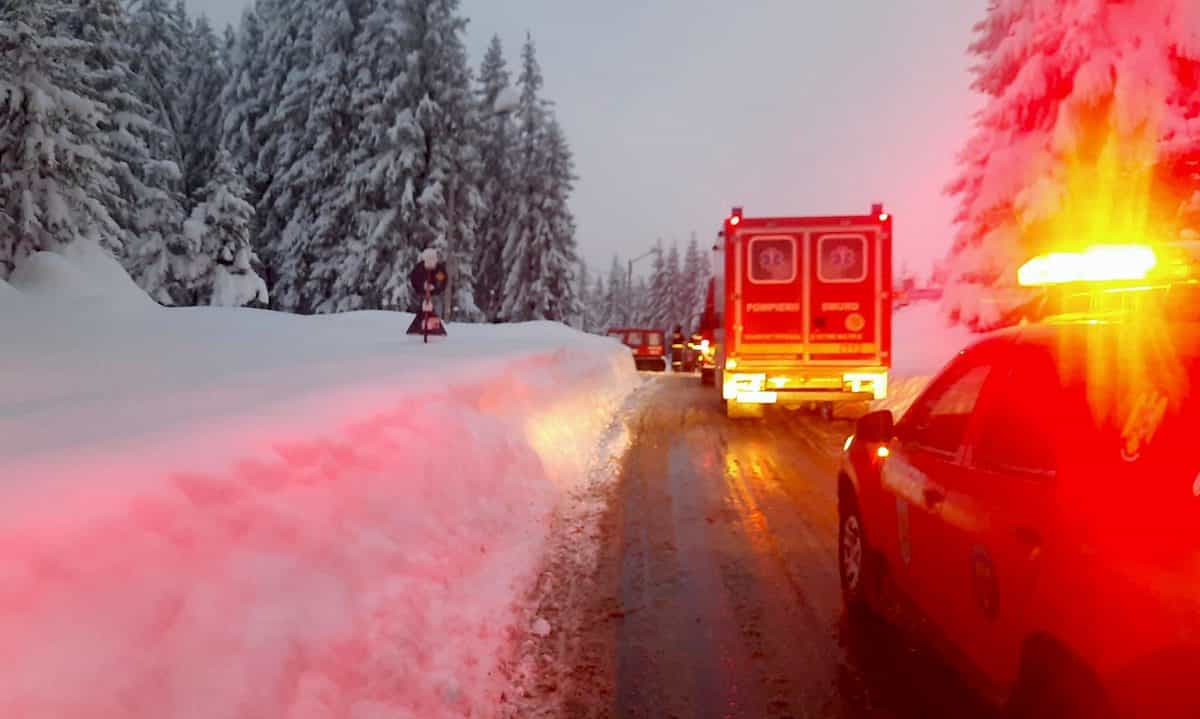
x=807, y=314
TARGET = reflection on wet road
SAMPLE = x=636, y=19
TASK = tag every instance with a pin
x=720, y=582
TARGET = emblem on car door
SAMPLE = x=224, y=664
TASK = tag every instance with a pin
x=983, y=579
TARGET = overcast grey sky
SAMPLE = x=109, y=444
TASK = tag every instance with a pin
x=679, y=109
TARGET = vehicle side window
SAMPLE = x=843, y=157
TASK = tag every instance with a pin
x=939, y=420
x=633, y=339
x=1019, y=418
x=654, y=339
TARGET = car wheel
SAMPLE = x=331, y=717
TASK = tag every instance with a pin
x=854, y=559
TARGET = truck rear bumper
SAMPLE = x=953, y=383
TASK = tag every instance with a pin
x=801, y=385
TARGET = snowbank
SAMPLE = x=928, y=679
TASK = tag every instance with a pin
x=922, y=342
x=235, y=513
x=83, y=273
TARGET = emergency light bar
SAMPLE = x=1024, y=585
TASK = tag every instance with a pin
x=1101, y=263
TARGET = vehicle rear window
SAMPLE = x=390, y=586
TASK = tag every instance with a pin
x=633, y=339
x=842, y=258
x=654, y=339
x=772, y=260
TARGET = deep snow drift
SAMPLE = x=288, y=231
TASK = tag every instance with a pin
x=235, y=513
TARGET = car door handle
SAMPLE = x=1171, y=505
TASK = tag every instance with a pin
x=934, y=497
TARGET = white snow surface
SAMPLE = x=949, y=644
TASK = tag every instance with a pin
x=922, y=343
x=229, y=513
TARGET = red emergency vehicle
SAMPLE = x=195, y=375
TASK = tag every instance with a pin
x=1038, y=503
x=807, y=311
x=646, y=345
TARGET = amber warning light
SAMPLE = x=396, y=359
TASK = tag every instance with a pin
x=1101, y=263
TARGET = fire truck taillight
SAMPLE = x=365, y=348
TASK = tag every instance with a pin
x=1101, y=263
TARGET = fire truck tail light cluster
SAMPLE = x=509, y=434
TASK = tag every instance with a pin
x=1101, y=263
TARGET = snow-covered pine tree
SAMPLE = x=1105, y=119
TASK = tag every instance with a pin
x=496, y=154
x=658, y=302
x=348, y=272
x=140, y=143
x=528, y=229
x=583, y=291
x=310, y=246
x=219, y=234
x=642, y=312
x=680, y=304
x=1089, y=132
x=286, y=92
x=429, y=167
x=693, y=283
x=54, y=179
x=596, y=305
x=202, y=77
x=617, y=299
x=561, y=256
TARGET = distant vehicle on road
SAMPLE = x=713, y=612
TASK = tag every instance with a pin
x=1038, y=504
x=646, y=345
x=807, y=310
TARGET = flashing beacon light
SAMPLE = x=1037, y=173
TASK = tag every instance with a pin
x=878, y=211
x=735, y=217
x=1100, y=263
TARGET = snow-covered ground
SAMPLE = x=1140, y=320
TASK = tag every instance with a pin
x=922, y=342
x=236, y=513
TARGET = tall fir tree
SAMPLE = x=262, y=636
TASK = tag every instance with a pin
x=321, y=217
x=496, y=154
x=617, y=296
x=678, y=306
x=53, y=182
x=595, y=310
x=659, y=287
x=427, y=171
x=286, y=92
x=539, y=251
x=1089, y=132
x=693, y=283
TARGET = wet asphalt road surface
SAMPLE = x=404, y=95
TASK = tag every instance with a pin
x=716, y=592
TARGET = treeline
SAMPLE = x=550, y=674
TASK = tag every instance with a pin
x=671, y=294
x=320, y=146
